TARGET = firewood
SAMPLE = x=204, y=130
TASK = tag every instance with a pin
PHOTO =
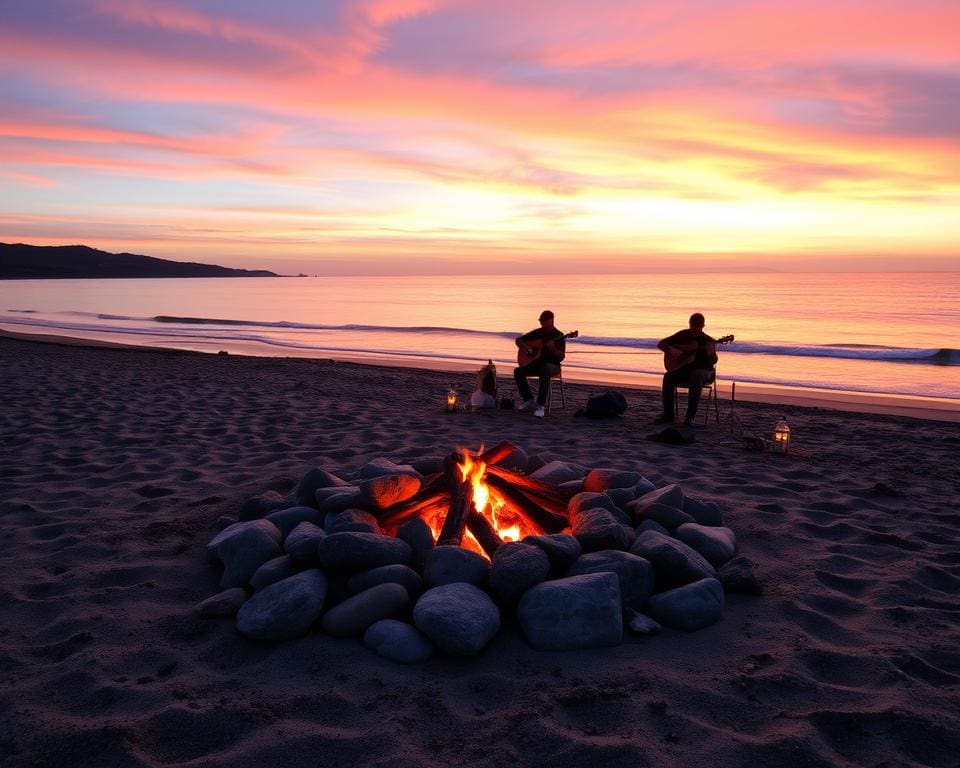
x=423, y=507
x=461, y=505
x=483, y=532
x=546, y=494
x=498, y=453
x=536, y=516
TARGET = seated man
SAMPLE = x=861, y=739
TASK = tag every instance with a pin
x=689, y=356
x=541, y=352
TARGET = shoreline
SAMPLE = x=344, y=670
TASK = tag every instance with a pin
x=925, y=408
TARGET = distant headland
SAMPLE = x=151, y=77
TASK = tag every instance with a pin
x=20, y=261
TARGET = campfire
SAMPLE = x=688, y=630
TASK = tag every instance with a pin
x=476, y=504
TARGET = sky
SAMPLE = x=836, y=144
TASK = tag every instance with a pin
x=482, y=136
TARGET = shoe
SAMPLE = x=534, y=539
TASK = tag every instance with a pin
x=529, y=405
x=664, y=418
x=540, y=412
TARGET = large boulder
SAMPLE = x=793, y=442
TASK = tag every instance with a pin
x=675, y=563
x=383, y=491
x=242, y=548
x=460, y=619
x=690, y=607
x=398, y=641
x=355, y=614
x=305, y=492
x=406, y=577
x=515, y=568
x=273, y=571
x=600, y=480
x=302, y=543
x=357, y=551
x=556, y=472
x=716, y=543
x=598, y=529
x=634, y=573
x=286, y=609
x=562, y=549
x=288, y=519
x=449, y=563
x=576, y=612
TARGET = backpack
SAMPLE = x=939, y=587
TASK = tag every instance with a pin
x=605, y=406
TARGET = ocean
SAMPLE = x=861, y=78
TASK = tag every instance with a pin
x=890, y=334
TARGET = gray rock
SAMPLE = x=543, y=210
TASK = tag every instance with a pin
x=381, y=467
x=273, y=571
x=598, y=529
x=665, y=505
x=573, y=487
x=651, y=525
x=557, y=472
x=384, y=490
x=337, y=499
x=225, y=603
x=286, y=609
x=593, y=500
x=600, y=480
x=420, y=538
x=288, y=519
x=620, y=498
x=305, y=493
x=244, y=547
x=562, y=549
x=261, y=505
x=643, y=487
x=398, y=641
x=358, y=551
x=690, y=607
x=716, y=543
x=703, y=512
x=739, y=575
x=634, y=573
x=406, y=577
x=302, y=543
x=640, y=623
x=667, y=516
x=515, y=567
x=448, y=563
x=460, y=619
x=355, y=614
x=576, y=612
x=351, y=520
x=536, y=462
x=674, y=561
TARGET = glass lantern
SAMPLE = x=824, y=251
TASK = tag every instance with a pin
x=452, y=396
x=781, y=436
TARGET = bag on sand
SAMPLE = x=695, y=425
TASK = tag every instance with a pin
x=605, y=406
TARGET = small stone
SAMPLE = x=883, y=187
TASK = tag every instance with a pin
x=286, y=609
x=398, y=641
x=459, y=618
x=355, y=614
x=640, y=623
x=447, y=564
x=225, y=603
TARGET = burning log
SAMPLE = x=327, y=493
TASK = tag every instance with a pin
x=422, y=507
x=548, y=496
x=535, y=515
x=461, y=507
x=498, y=453
x=484, y=534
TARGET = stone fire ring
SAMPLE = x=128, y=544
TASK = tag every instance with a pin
x=353, y=556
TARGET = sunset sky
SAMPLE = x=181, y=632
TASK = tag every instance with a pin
x=405, y=136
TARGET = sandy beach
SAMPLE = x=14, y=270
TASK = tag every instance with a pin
x=119, y=465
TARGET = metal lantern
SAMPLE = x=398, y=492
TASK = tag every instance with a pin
x=781, y=436
x=452, y=396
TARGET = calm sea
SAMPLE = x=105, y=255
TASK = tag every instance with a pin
x=893, y=334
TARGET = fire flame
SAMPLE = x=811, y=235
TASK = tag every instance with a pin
x=489, y=503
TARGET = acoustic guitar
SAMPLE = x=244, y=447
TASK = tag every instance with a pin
x=687, y=353
x=536, y=347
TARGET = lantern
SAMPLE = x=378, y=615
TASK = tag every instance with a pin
x=781, y=436
x=452, y=399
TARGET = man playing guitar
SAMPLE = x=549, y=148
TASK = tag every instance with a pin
x=540, y=353
x=689, y=356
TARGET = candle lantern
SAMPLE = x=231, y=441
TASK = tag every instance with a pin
x=452, y=396
x=781, y=436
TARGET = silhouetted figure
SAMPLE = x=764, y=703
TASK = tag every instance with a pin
x=689, y=356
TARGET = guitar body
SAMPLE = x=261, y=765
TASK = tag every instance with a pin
x=688, y=353
x=537, y=349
